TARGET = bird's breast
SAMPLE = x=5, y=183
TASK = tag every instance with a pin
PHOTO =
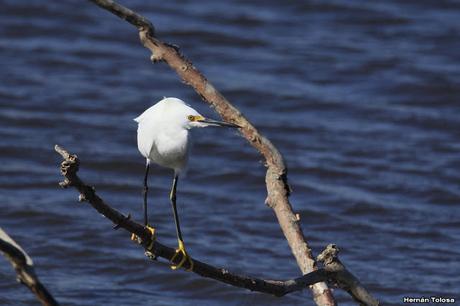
x=171, y=150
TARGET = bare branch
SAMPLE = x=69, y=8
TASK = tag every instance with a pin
x=334, y=271
x=276, y=177
x=69, y=168
x=24, y=268
x=125, y=13
x=343, y=278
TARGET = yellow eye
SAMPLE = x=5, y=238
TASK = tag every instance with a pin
x=191, y=118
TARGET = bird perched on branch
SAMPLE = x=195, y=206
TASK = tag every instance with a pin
x=163, y=138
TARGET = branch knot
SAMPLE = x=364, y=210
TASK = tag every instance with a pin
x=329, y=254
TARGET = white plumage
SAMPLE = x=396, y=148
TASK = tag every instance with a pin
x=163, y=133
x=163, y=137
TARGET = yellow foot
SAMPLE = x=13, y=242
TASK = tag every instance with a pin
x=136, y=238
x=185, y=257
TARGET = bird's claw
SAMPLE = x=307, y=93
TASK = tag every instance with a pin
x=185, y=257
x=136, y=238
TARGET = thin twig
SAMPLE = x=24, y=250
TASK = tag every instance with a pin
x=276, y=177
x=24, y=268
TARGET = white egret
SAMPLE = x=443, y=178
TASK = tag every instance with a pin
x=163, y=138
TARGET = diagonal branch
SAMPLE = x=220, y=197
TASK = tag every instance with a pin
x=24, y=268
x=69, y=168
x=276, y=177
x=334, y=271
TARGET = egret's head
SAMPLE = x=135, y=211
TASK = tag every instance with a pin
x=197, y=120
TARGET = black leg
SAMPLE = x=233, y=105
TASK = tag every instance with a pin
x=146, y=188
x=181, y=249
x=172, y=197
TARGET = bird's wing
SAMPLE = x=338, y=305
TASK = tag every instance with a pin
x=146, y=131
x=146, y=134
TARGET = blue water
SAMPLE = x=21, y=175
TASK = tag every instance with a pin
x=362, y=98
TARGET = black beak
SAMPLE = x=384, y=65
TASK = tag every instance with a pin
x=219, y=123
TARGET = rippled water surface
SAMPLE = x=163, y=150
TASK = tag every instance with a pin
x=362, y=98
